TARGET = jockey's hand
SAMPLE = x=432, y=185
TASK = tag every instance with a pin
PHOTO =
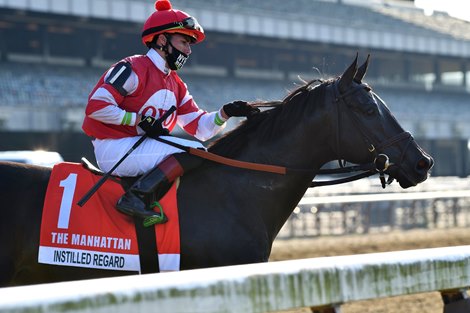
x=152, y=127
x=240, y=108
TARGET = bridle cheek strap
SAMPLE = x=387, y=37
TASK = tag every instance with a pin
x=381, y=160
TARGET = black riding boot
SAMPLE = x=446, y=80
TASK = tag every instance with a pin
x=157, y=181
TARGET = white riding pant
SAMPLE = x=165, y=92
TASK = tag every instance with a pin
x=145, y=157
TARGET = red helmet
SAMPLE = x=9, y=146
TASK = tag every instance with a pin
x=168, y=20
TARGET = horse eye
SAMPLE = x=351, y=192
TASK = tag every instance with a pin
x=370, y=112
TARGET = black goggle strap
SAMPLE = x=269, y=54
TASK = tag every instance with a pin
x=187, y=23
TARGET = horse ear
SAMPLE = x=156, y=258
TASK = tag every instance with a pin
x=361, y=72
x=348, y=75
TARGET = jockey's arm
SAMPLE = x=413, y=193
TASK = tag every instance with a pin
x=103, y=104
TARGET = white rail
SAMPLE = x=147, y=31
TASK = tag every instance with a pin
x=254, y=288
x=333, y=214
x=383, y=197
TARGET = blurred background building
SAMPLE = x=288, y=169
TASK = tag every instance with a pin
x=52, y=52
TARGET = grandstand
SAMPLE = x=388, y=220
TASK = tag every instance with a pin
x=52, y=53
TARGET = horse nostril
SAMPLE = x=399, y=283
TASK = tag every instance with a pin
x=424, y=164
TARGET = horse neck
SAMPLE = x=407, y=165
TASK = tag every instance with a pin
x=275, y=196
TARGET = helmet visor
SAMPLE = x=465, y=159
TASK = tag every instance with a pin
x=191, y=23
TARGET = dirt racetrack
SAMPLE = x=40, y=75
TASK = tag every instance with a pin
x=356, y=244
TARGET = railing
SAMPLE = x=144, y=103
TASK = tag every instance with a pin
x=381, y=212
x=320, y=283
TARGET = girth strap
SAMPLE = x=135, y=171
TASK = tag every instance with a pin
x=147, y=242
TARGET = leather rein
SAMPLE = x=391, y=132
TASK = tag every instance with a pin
x=380, y=164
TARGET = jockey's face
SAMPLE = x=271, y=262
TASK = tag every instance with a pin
x=181, y=42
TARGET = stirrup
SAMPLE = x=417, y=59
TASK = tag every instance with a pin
x=159, y=218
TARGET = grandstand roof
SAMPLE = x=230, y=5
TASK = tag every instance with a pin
x=439, y=22
x=398, y=15
x=375, y=24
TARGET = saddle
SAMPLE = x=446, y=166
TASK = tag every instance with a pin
x=126, y=182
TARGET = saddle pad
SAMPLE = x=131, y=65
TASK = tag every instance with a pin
x=97, y=235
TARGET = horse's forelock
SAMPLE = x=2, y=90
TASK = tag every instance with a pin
x=267, y=124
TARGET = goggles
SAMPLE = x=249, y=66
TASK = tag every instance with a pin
x=188, y=23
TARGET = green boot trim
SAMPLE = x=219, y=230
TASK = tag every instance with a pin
x=160, y=218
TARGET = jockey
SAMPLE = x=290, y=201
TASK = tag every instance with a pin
x=134, y=93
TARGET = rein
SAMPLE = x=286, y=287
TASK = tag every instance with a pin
x=227, y=161
x=368, y=169
x=380, y=164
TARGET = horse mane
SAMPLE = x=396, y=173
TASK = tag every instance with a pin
x=271, y=123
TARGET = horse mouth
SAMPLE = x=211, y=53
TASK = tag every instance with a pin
x=405, y=179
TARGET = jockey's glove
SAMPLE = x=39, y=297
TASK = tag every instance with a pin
x=152, y=127
x=240, y=108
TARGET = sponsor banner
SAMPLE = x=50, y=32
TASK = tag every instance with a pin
x=92, y=236
x=97, y=235
x=88, y=259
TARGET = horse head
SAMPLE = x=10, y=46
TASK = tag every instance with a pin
x=368, y=131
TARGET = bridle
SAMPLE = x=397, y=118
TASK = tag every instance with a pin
x=381, y=161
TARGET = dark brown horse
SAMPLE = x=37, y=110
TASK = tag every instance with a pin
x=230, y=215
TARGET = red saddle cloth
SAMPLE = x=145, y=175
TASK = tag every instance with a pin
x=97, y=235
